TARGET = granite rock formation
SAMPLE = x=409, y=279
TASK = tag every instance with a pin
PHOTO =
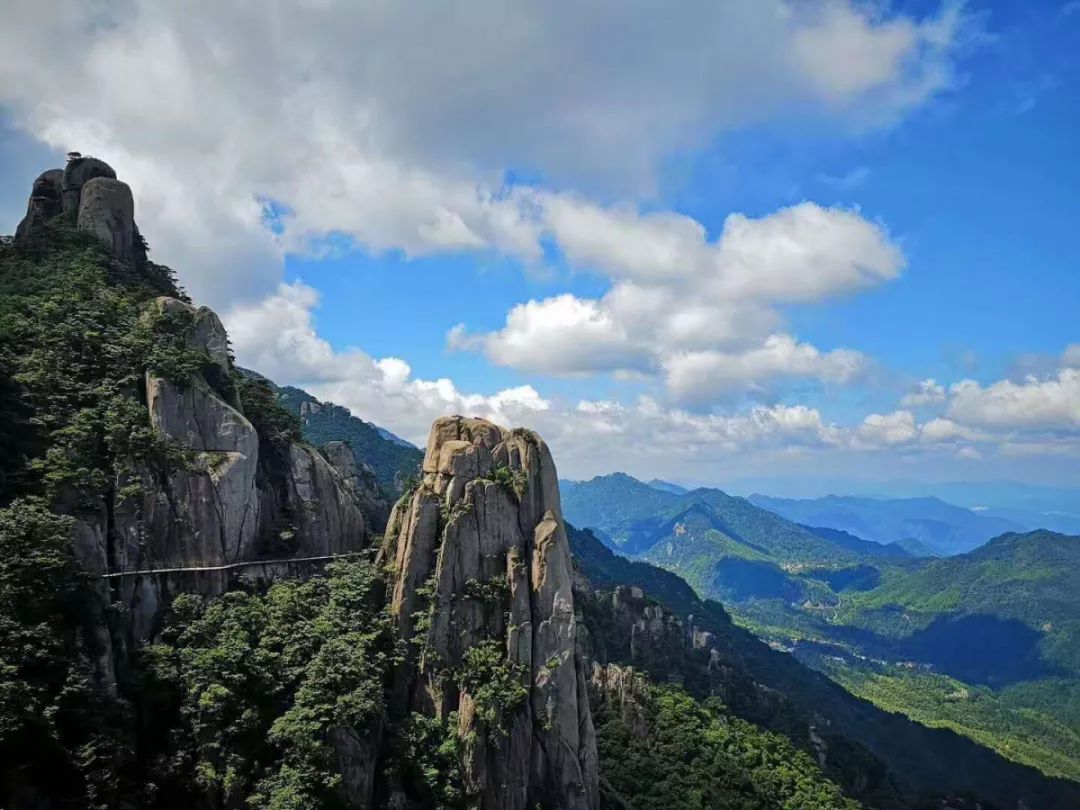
x=87, y=194
x=220, y=496
x=480, y=560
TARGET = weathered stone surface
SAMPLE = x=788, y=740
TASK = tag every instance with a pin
x=45, y=202
x=480, y=550
x=78, y=173
x=357, y=760
x=206, y=512
x=107, y=210
x=87, y=191
x=203, y=332
x=362, y=482
x=327, y=515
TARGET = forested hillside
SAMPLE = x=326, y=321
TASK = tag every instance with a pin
x=983, y=643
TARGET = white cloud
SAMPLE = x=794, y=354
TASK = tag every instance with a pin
x=702, y=375
x=563, y=334
x=1051, y=403
x=394, y=127
x=277, y=336
x=1070, y=358
x=893, y=428
x=704, y=312
x=927, y=392
x=940, y=430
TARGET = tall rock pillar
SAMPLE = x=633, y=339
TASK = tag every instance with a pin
x=482, y=587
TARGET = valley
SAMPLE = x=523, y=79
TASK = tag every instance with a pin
x=951, y=641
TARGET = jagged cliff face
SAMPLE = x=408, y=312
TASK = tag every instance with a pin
x=222, y=495
x=478, y=555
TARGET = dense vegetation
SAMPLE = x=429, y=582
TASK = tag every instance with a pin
x=58, y=726
x=73, y=351
x=668, y=752
x=1029, y=583
x=1004, y=616
x=1022, y=732
x=917, y=757
x=251, y=690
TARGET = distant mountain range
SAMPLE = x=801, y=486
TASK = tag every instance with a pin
x=667, y=486
x=726, y=547
x=915, y=633
x=942, y=528
x=752, y=670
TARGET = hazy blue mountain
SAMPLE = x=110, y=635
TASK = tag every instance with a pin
x=943, y=528
x=667, y=486
x=914, y=547
x=849, y=541
x=726, y=547
x=1033, y=520
x=635, y=517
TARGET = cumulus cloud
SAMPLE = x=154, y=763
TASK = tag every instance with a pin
x=563, y=334
x=278, y=336
x=1051, y=403
x=887, y=429
x=927, y=392
x=703, y=312
x=247, y=133
x=700, y=376
x=395, y=128
x=940, y=430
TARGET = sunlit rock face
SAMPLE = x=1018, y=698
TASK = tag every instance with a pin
x=479, y=561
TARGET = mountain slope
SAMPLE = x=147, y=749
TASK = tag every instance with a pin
x=393, y=459
x=726, y=547
x=1006, y=611
x=860, y=546
x=945, y=529
x=638, y=518
x=667, y=486
x=893, y=759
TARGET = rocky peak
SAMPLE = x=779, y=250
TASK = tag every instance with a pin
x=481, y=569
x=87, y=191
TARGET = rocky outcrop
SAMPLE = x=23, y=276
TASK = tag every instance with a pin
x=221, y=498
x=78, y=172
x=361, y=480
x=327, y=514
x=204, y=512
x=45, y=202
x=480, y=562
x=107, y=210
x=623, y=689
x=87, y=192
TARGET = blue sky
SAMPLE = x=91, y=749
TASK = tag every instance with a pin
x=824, y=238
